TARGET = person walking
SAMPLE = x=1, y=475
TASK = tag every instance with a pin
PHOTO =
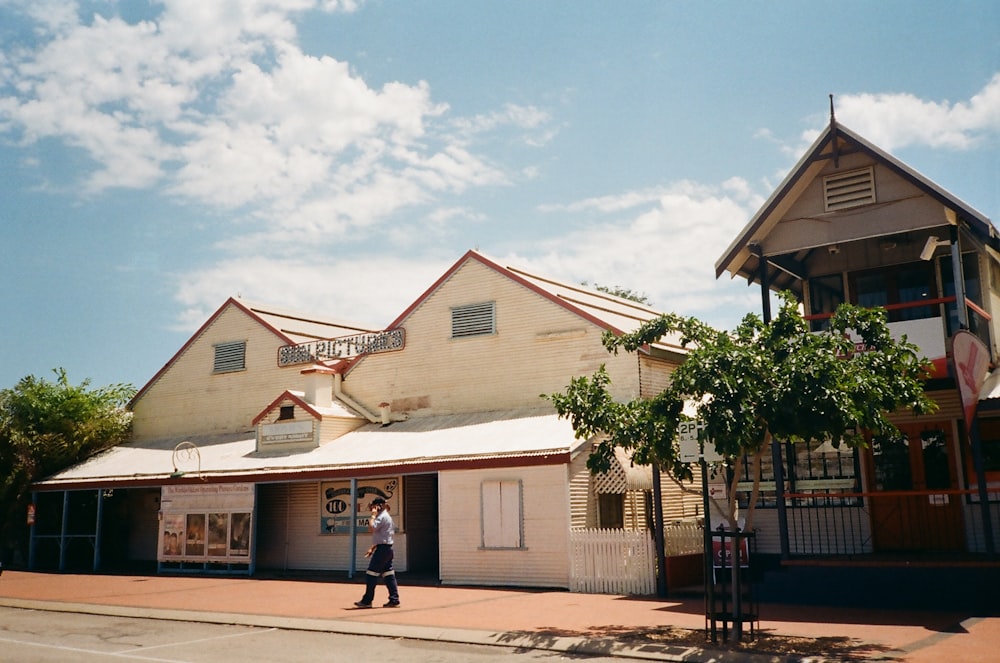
x=380, y=565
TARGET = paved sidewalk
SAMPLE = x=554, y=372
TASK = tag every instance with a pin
x=554, y=620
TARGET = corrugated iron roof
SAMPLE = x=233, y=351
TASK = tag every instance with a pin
x=426, y=441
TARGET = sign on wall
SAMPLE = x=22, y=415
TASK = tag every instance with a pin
x=336, y=508
x=206, y=523
x=342, y=347
x=287, y=431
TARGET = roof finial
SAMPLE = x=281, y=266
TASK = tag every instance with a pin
x=832, y=116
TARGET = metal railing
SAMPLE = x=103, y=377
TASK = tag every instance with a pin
x=858, y=523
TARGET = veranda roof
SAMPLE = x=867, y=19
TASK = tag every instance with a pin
x=420, y=444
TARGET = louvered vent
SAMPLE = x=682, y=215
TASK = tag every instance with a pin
x=847, y=190
x=473, y=320
x=230, y=357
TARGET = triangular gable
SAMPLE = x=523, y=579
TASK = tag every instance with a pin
x=836, y=141
x=232, y=301
x=294, y=398
x=288, y=326
x=608, y=312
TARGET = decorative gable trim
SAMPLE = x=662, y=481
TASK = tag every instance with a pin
x=288, y=396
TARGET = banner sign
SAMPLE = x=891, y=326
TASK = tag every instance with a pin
x=342, y=347
x=206, y=523
x=972, y=363
x=722, y=556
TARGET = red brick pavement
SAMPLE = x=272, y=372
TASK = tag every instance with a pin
x=911, y=636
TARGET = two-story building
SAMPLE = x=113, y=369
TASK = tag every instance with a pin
x=851, y=223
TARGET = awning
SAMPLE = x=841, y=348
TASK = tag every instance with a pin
x=624, y=476
x=420, y=444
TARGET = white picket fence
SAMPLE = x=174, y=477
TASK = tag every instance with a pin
x=617, y=561
x=612, y=561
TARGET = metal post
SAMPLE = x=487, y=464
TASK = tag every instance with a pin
x=62, y=531
x=252, y=562
x=97, y=530
x=31, y=534
x=984, y=498
x=661, y=557
x=776, y=462
x=707, y=532
x=353, y=529
x=958, y=274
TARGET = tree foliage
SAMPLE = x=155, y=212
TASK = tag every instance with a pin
x=758, y=382
x=47, y=426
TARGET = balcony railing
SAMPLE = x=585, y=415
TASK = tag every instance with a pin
x=923, y=521
x=929, y=333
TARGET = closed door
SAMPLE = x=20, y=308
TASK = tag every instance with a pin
x=905, y=472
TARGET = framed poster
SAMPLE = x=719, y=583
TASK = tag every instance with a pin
x=239, y=534
x=218, y=534
x=206, y=523
x=172, y=538
x=335, y=510
x=195, y=544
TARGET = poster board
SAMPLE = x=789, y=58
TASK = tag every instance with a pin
x=206, y=523
x=335, y=503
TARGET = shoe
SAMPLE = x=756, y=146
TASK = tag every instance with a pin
x=391, y=604
x=362, y=604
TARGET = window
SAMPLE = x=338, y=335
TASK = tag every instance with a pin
x=230, y=357
x=502, y=514
x=611, y=510
x=973, y=292
x=819, y=473
x=899, y=288
x=826, y=293
x=286, y=412
x=473, y=320
x=851, y=189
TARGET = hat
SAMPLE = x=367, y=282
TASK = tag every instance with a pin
x=377, y=500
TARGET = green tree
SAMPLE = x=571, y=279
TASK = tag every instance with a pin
x=44, y=428
x=759, y=382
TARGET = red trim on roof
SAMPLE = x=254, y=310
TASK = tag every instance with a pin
x=291, y=475
x=232, y=301
x=287, y=395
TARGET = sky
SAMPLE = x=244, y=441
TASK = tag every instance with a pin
x=338, y=156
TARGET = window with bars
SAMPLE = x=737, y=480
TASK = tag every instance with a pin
x=473, y=320
x=819, y=474
x=230, y=357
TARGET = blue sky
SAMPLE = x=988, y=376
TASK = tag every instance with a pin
x=337, y=156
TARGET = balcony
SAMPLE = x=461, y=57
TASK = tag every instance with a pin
x=931, y=332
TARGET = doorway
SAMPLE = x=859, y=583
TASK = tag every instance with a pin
x=914, y=504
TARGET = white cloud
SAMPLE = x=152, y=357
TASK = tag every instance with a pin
x=897, y=120
x=369, y=290
x=216, y=104
x=665, y=250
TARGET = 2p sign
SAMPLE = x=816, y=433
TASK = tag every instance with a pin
x=690, y=448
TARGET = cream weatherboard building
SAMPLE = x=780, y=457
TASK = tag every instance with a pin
x=258, y=445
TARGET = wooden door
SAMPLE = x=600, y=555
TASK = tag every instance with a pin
x=913, y=503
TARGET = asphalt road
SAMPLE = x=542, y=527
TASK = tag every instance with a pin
x=36, y=636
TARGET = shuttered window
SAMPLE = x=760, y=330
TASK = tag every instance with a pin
x=473, y=320
x=502, y=526
x=230, y=357
x=850, y=189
